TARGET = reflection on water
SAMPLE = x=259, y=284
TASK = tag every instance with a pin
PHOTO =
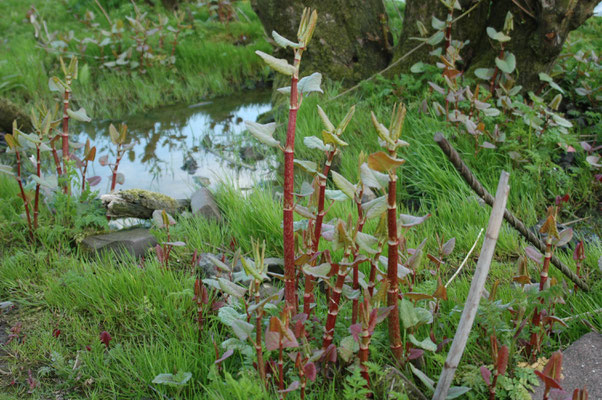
x=178, y=148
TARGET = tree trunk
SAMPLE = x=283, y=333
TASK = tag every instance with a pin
x=540, y=29
x=351, y=40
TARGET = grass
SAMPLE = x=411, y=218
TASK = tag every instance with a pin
x=210, y=61
x=150, y=312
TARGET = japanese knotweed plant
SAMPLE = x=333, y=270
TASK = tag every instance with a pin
x=63, y=87
x=264, y=134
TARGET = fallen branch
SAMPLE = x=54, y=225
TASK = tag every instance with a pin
x=474, y=183
x=476, y=289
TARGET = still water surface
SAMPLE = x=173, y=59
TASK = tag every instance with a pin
x=178, y=148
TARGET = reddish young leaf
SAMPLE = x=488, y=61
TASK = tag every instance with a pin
x=486, y=374
x=502, y=360
x=330, y=354
x=310, y=371
x=56, y=333
x=415, y=353
x=224, y=356
x=579, y=253
x=549, y=382
x=355, y=331
x=292, y=387
x=534, y=254
x=104, y=160
x=105, y=337
x=580, y=394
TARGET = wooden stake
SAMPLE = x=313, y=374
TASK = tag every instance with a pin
x=476, y=289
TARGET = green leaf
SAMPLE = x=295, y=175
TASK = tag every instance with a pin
x=376, y=207
x=484, y=73
x=308, y=166
x=231, y=288
x=508, y=64
x=499, y=36
x=343, y=124
x=278, y=64
x=250, y=269
x=366, y=242
x=56, y=85
x=321, y=271
x=314, y=142
x=332, y=138
x=343, y=184
x=310, y=83
x=436, y=23
x=426, y=344
x=436, y=38
x=242, y=329
x=79, y=115
x=263, y=132
x=180, y=379
x=418, y=68
x=335, y=195
x=327, y=124
x=456, y=391
x=114, y=134
x=412, y=316
x=284, y=42
x=428, y=382
x=348, y=347
x=372, y=178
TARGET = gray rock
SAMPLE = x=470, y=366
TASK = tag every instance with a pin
x=275, y=265
x=251, y=154
x=137, y=203
x=203, y=203
x=581, y=367
x=134, y=241
x=6, y=307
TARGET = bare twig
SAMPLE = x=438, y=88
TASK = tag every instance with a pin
x=105, y=13
x=474, y=183
x=465, y=259
x=476, y=288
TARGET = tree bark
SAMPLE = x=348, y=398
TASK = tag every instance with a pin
x=351, y=40
x=540, y=30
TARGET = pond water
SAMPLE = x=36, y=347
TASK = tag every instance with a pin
x=179, y=148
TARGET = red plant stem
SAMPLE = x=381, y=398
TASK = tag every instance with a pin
x=115, y=167
x=258, y=328
x=175, y=43
x=333, y=305
x=393, y=291
x=290, y=279
x=356, y=273
x=23, y=196
x=543, y=277
x=303, y=381
x=37, y=196
x=57, y=162
x=364, y=354
x=373, y=269
x=65, y=134
x=308, y=295
x=495, y=72
x=280, y=365
x=84, y=177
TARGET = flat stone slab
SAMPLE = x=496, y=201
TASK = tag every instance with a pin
x=133, y=241
x=581, y=367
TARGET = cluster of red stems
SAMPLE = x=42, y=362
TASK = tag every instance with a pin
x=49, y=129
